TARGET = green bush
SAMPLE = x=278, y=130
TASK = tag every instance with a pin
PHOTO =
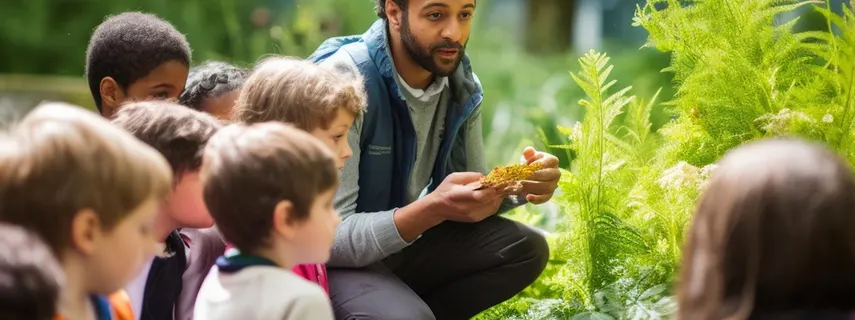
x=739, y=75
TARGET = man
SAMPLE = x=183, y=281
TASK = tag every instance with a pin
x=417, y=240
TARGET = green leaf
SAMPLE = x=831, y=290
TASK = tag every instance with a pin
x=592, y=315
x=653, y=291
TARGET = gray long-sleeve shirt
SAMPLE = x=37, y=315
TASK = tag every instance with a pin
x=363, y=238
x=366, y=237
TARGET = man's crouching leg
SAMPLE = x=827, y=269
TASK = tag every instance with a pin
x=374, y=292
x=462, y=269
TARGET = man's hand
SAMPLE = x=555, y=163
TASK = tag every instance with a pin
x=540, y=187
x=457, y=200
x=454, y=199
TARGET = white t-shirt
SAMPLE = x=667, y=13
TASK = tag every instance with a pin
x=261, y=293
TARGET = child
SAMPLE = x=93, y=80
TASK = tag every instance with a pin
x=179, y=134
x=30, y=276
x=135, y=56
x=772, y=237
x=270, y=189
x=213, y=87
x=320, y=101
x=91, y=191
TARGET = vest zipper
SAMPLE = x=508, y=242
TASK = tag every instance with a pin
x=474, y=102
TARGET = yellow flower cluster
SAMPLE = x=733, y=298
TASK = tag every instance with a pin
x=508, y=175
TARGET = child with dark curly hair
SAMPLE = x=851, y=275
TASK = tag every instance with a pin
x=135, y=56
x=213, y=87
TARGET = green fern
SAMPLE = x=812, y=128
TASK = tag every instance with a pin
x=598, y=249
x=832, y=104
x=731, y=65
x=591, y=192
x=740, y=77
x=740, y=74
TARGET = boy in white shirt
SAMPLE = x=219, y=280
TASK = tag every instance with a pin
x=270, y=189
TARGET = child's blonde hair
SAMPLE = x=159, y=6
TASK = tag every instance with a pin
x=298, y=92
x=61, y=159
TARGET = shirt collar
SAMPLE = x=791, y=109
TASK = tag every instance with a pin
x=435, y=88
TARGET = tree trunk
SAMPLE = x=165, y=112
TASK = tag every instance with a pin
x=549, y=25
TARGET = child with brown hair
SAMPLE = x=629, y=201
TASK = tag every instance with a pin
x=270, y=189
x=772, y=237
x=179, y=134
x=91, y=191
x=321, y=101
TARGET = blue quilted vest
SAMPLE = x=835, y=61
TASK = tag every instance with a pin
x=388, y=140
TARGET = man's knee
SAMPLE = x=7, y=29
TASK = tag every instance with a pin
x=384, y=307
x=530, y=253
x=374, y=293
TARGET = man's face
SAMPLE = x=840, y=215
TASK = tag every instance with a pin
x=435, y=32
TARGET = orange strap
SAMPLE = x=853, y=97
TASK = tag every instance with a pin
x=121, y=305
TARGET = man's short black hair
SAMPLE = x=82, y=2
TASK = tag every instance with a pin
x=30, y=275
x=381, y=7
x=128, y=47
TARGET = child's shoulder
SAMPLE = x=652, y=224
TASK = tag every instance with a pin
x=302, y=299
x=309, y=302
x=276, y=281
x=268, y=291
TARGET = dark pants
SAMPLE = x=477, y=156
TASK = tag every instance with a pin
x=454, y=271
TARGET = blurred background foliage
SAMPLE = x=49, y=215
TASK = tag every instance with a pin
x=522, y=62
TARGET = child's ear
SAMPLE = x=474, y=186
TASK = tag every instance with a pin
x=85, y=230
x=111, y=96
x=393, y=14
x=283, y=224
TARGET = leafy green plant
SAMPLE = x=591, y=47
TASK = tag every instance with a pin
x=741, y=76
x=593, y=272
x=740, y=73
x=591, y=190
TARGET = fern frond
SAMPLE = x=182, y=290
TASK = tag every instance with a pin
x=594, y=194
x=624, y=147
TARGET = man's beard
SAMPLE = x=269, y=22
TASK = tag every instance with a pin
x=425, y=57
